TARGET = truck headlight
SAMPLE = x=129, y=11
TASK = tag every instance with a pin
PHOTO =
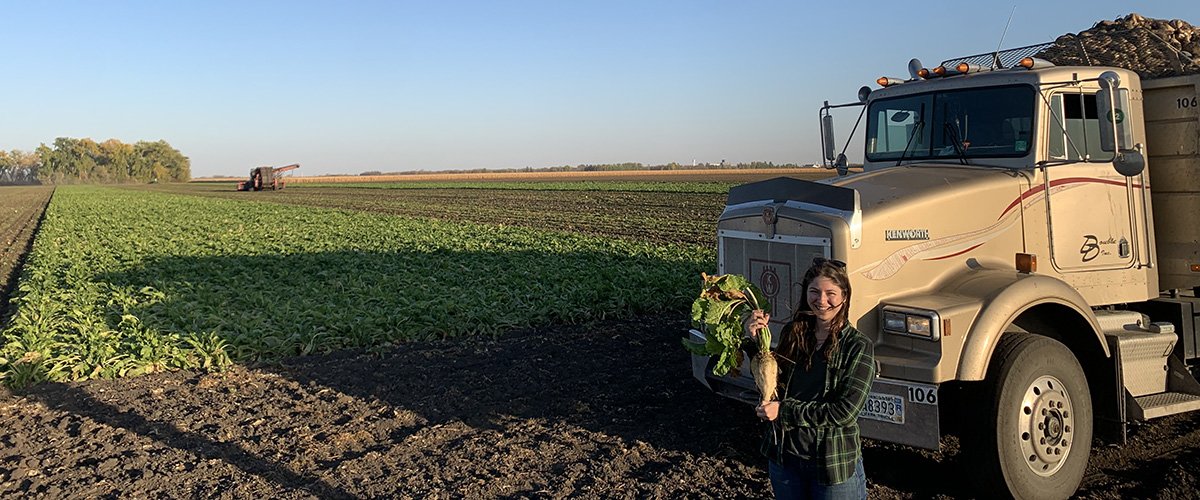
x=922, y=323
x=894, y=321
x=919, y=325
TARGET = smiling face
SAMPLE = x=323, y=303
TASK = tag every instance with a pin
x=825, y=298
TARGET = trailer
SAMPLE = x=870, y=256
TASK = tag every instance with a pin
x=1022, y=278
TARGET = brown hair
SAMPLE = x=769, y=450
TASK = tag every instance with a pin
x=799, y=336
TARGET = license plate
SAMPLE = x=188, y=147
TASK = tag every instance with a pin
x=884, y=407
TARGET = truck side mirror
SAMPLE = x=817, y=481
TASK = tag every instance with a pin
x=1112, y=105
x=827, y=136
x=1129, y=163
x=840, y=165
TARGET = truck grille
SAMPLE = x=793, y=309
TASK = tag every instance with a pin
x=775, y=264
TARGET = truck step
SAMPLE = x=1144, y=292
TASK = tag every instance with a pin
x=1167, y=403
x=1142, y=356
x=1181, y=394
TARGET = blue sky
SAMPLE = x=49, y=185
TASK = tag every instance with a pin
x=347, y=87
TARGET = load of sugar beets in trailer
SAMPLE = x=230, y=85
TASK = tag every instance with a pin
x=1153, y=48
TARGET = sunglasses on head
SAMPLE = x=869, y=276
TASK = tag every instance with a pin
x=817, y=261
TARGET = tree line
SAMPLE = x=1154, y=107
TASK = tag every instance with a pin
x=84, y=161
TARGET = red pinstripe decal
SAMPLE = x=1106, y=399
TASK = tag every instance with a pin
x=1033, y=192
x=957, y=253
x=1059, y=182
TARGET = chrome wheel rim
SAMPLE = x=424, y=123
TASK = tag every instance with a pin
x=1046, y=425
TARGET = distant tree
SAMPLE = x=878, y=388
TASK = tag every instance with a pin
x=158, y=161
x=68, y=161
x=18, y=167
x=8, y=167
x=73, y=160
x=117, y=160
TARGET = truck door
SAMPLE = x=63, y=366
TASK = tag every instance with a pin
x=1090, y=206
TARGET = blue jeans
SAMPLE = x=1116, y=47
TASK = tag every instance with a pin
x=797, y=478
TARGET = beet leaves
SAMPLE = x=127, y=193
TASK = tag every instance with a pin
x=724, y=302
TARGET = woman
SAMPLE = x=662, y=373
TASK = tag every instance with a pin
x=827, y=366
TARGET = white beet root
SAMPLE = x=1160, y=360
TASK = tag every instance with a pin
x=766, y=375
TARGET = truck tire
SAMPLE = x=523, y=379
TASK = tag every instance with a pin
x=1038, y=433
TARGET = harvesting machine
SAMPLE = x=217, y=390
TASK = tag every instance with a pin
x=266, y=178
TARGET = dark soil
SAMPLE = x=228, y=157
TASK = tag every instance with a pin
x=601, y=410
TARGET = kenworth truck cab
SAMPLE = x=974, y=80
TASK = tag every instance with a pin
x=1007, y=251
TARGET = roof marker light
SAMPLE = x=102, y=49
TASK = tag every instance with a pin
x=964, y=67
x=887, y=81
x=1034, y=63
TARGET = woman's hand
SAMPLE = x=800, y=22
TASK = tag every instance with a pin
x=768, y=410
x=757, y=320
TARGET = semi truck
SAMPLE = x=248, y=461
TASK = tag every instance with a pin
x=1024, y=251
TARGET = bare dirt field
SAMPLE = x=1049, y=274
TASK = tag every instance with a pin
x=598, y=411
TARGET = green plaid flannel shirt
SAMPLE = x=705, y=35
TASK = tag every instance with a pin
x=835, y=414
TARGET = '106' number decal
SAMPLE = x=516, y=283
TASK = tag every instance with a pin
x=922, y=395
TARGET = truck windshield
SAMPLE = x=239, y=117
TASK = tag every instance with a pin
x=966, y=123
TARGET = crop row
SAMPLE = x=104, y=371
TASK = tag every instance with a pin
x=667, y=217
x=124, y=282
